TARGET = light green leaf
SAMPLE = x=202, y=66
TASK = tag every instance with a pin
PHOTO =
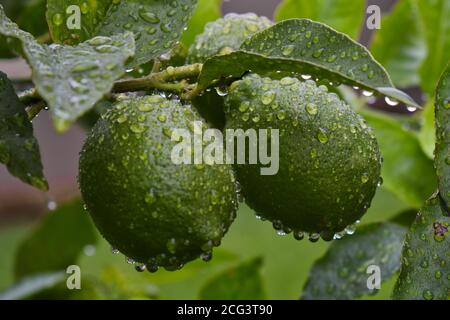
x=427, y=133
x=56, y=242
x=301, y=46
x=342, y=272
x=19, y=149
x=242, y=282
x=425, y=269
x=399, y=45
x=442, y=161
x=157, y=24
x=343, y=15
x=72, y=79
x=407, y=171
x=436, y=24
x=206, y=11
x=30, y=286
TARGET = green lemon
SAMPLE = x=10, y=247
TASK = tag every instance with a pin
x=225, y=35
x=329, y=160
x=153, y=211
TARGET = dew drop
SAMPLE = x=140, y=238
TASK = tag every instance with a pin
x=390, y=101
x=306, y=76
x=58, y=19
x=322, y=136
x=129, y=260
x=149, y=17
x=314, y=237
x=114, y=250
x=311, y=108
x=367, y=93
x=268, y=97
x=428, y=295
x=299, y=235
x=287, y=51
x=141, y=267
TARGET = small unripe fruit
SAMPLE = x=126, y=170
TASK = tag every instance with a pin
x=225, y=35
x=153, y=211
x=329, y=160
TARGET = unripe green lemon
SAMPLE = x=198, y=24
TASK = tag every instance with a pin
x=329, y=160
x=150, y=209
x=225, y=35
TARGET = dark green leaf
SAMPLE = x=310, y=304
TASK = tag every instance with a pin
x=19, y=149
x=157, y=24
x=206, y=11
x=343, y=15
x=33, y=285
x=425, y=270
x=342, y=272
x=399, y=44
x=442, y=161
x=242, y=282
x=407, y=171
x=301, y=46
x=72, y=79
x=56, y=242
x=436, y=23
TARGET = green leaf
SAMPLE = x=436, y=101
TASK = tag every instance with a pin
x=343, y=15
x=56, y=242
x=407, y=171
x=19, y=149
x=425, y=270
x=442, y=161
x=33, y=285
x=242, y=282
x=301, y=46
x=206, y=11
x=427, y=133
x=157, y=24
x=72, y=79
x=399, y=45
x=435, y=15
x=342, y=272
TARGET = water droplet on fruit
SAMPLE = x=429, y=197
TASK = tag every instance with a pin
x=322, y=136
x=311, y=108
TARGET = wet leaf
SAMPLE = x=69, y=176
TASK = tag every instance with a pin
x=33, y=285
x=407, y=171
x=343, y=15
x=425, y=270
x=19, y=149
x=72, y=79
x=301, y=46
x=442, y=111
x=206, y=11
x=242, y=282
x=157, y=24
x=343, y=272
x=399, y=45
x=434, y=14
x=56, y=242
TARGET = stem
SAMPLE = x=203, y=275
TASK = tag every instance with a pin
x=34, y=109
x=161, y=80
